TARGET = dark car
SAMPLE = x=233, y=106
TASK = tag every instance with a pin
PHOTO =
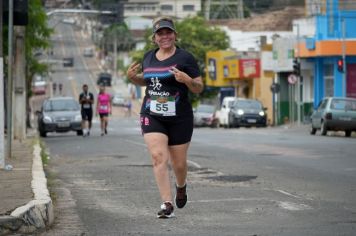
x=104, y=79
x=204, y=115
x=59, y=114
x=247, y=113
x=68, y=62
x=334, y=114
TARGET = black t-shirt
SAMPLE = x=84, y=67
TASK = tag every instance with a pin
x=164, y=96
x=86, y=105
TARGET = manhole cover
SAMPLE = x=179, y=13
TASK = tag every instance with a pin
x=232, y=178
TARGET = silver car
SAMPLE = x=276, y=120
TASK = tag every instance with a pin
x=59, y=114
x=334, y=114
x=204, y=115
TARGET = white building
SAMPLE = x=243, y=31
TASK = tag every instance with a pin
x=174, y=8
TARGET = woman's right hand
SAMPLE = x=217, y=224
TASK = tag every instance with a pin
x=133, y=70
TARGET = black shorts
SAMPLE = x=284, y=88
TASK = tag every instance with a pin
x=178, y=130
x=102, y=115
x=87, y=114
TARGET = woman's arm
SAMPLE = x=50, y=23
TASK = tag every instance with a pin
x=134, y=76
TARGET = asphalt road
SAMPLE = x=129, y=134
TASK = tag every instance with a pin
x=268, y=181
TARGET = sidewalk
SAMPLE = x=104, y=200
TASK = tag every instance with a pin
x=25, y=203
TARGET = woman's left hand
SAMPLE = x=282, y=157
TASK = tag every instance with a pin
x=180, y=76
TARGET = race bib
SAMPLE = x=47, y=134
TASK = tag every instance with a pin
x=103, y=107
x=163, y=106
x=86, y=106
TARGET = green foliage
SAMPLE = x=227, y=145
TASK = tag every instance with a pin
x=197, y=37
x=121, y=33
x=37, y=37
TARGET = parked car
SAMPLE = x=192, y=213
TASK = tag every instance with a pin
x=204, y=115
x=223, y=113
x=118, y=100
x=334, y=114
x=88, y=52
x=68, y=62
x=247, y=112
x=69, y=21
x=39, y=85
x=59, y=114
x=104, y=79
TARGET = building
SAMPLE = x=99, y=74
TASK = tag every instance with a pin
x=330, y=47
x=174, y=8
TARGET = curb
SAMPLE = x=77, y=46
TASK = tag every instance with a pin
x=36, y=214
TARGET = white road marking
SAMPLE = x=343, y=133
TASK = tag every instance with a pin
x=196, y=165
x=228, y=200
x=292, y=195
x=291, y=206
x=288, y=194
x=136, y=143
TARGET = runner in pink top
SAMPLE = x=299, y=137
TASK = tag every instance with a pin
x=103, y=108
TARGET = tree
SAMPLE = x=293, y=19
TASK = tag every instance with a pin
x=121, y=33
x=197, y=37
x=37, y=37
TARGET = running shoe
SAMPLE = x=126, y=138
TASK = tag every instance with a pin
x=181, y=196
x=166, y=211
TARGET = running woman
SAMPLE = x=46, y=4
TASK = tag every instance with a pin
x=169, y=73
x=86, y=99
x=103, y=108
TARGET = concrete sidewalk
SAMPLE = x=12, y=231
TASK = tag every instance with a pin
x=25, y=203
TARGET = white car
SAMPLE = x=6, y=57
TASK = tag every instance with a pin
x=88, y=52
x=223, y=113
x=118, y=100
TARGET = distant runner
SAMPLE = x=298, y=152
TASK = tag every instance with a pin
x=103, y=108
x=86, y=99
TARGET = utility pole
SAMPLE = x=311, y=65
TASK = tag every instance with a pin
x=115, y=56
x=207, y=9
x=299, y=78
x=240, y=9
x=9, y=81
x=20, y=84
x=344, y=92
x=2, y=93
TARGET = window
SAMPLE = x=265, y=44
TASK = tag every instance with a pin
x=328, y=80
x=167, y=7
x=188, y=7
x=347, y=5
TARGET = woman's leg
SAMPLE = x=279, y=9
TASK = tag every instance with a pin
x=102, y=123
x=178, y=154
x=157, y=144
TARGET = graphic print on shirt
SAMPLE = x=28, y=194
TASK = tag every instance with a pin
x=156, y=84
x=161, y=101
